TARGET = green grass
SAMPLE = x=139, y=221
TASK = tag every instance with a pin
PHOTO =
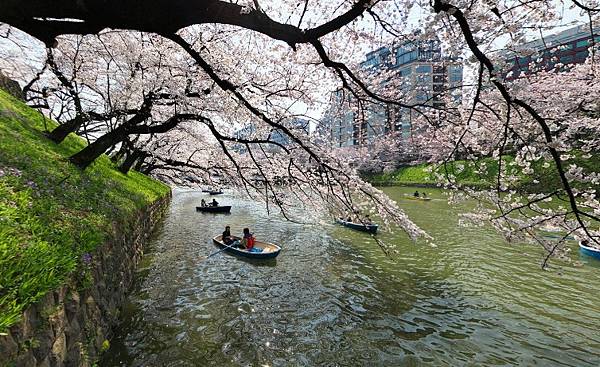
x=425, y=174
x=53, y=215
x=484, y=173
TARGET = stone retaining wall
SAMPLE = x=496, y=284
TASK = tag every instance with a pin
x=71, y=326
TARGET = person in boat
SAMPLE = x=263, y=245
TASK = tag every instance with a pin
x=247, y=240
x=202, y=203
x=424, y=194
x=416, y=194
x=227, y=239
x=214, y=203
x=368, y=220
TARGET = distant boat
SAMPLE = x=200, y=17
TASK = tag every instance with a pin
x=371, y=228
x=590, y=251
x=416, y=197
x=269, y=250
x=214, y=209
x=210, y=192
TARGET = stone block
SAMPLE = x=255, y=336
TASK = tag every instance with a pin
x=73, y=333
x=44, y=362
x=59, y=350
x=8, y=348
x=25, y=359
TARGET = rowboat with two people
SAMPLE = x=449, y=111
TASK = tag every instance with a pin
x=417, y=196
x=260, y=250
x=214, y=209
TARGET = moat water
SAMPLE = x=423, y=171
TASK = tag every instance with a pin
x=332, y=298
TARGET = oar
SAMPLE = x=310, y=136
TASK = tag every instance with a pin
x=221, y=250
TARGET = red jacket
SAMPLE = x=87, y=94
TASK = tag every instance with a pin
x=249, y=242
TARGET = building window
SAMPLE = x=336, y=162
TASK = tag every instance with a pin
x=566, y=59
x=405, y=57
x=405, y=72
x=581, y=56
x=422, y=69
x=424, y=80
x=422, y=97
x=583, y=43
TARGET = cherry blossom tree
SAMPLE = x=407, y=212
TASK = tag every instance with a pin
x=179, y=80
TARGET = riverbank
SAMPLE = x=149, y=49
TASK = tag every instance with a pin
x=424, y=175
x=65, y=237
x=482, y=175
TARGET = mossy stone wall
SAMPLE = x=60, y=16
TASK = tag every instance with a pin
x=71, y=326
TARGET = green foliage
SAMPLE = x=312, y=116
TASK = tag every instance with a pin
x=53, y=215
x=105, y=345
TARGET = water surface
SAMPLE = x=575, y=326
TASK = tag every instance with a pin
x=332, y=298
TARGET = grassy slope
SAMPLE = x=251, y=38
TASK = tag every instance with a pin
x=52, y=214
x=467, y=175
x=421, y=174
x=543, y=180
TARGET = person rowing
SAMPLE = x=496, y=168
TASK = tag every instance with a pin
x=214, y=203
x=227, y=239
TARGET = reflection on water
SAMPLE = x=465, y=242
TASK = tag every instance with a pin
x=332, y=298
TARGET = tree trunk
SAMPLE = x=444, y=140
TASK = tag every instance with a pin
x=61, y=131
x=129, y=161
x=119, y=154
x=148, y=169
x=87, y=155
x=140, y=162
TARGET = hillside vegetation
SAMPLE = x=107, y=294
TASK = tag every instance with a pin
x=53, y=215
x=543, y=179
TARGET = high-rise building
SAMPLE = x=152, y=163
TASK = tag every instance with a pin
x=297, y=126
x=568, y=47
x=422, y=75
